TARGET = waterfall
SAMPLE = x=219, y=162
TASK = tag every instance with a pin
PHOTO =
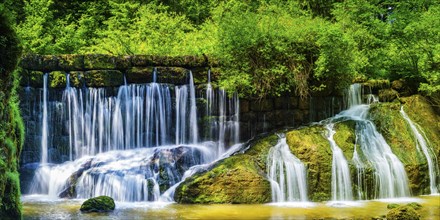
x=286, y=173
x=132, y=143
x=423, y=146
x=341, y=179
x=45, y=126
x=390, y=179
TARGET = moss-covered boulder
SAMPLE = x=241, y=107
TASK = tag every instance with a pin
x=238, y=179
x=403, y=213
x=98, y=204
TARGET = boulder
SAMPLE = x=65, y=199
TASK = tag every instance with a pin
x=403, y=213
x=98, y=204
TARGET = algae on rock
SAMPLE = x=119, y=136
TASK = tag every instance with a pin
x=240, y=178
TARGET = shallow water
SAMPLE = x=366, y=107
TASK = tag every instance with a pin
x=38, y=207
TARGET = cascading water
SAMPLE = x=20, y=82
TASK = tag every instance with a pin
x=45, y=126
x=390, y=179
x=423, y=146
x=120, y=142
x=286, y=173
x=341, y=178
x=222, y=116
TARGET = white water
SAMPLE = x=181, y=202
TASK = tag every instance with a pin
x=45, y=126
x=423, y=146
x=120, y=145
x=341, y=178
x=390, y=179
x=286, y=173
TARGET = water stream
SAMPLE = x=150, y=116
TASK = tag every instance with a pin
x=286, y=173
x=423, y=145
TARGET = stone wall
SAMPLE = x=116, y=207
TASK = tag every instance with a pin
x=97, y=70
x=256, y=116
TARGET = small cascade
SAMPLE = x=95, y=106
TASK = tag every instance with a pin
x=186, y=113
x=390, y=179
x=45, y=126
x=360, y=173
x=222, y=116
x=423, y=146
x=286, y=173
x=341, y=178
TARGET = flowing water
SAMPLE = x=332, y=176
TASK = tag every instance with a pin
x=390, y=178
x=286, y=173
x=341, y=178
x=45, y=127
x=423, y=145
x=133, y=145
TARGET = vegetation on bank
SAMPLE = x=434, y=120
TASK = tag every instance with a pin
x=11, y=124
x=266, y=47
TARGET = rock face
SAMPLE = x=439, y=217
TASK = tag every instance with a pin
x=238, y=179
x=242, y=177
x=98, y=204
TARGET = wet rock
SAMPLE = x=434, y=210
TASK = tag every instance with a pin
x=237, y=179
x=98, y=204
x=403, y=213
x=392, y=206
x=69, y=190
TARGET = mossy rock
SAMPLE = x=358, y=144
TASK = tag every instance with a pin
x=388, y=95
x=313, y=149
x=403, y=213
x=57, y=79
x=99, y=62
x=71, y=62
x=103, y=78
x=392, y=206
x=415, y=205
x=98, y=204
x=238, y=179
x=398, y=135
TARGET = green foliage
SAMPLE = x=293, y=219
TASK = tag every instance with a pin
x=11, y=124
x=266, y=47
x=270, y=51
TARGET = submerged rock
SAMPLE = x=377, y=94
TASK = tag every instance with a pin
x=403, y=213
x=98, y=204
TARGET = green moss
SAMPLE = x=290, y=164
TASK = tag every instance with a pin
x=403, y=213
x=99, y=62
x=11, y=127
x=392, y=206
x=57, y=79
x=71, y=62
x=313, y=149
x=345, y=137
x=98, y=204
x=238, y=179
x=103, y=78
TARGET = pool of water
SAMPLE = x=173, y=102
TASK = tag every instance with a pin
x=40, y=207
